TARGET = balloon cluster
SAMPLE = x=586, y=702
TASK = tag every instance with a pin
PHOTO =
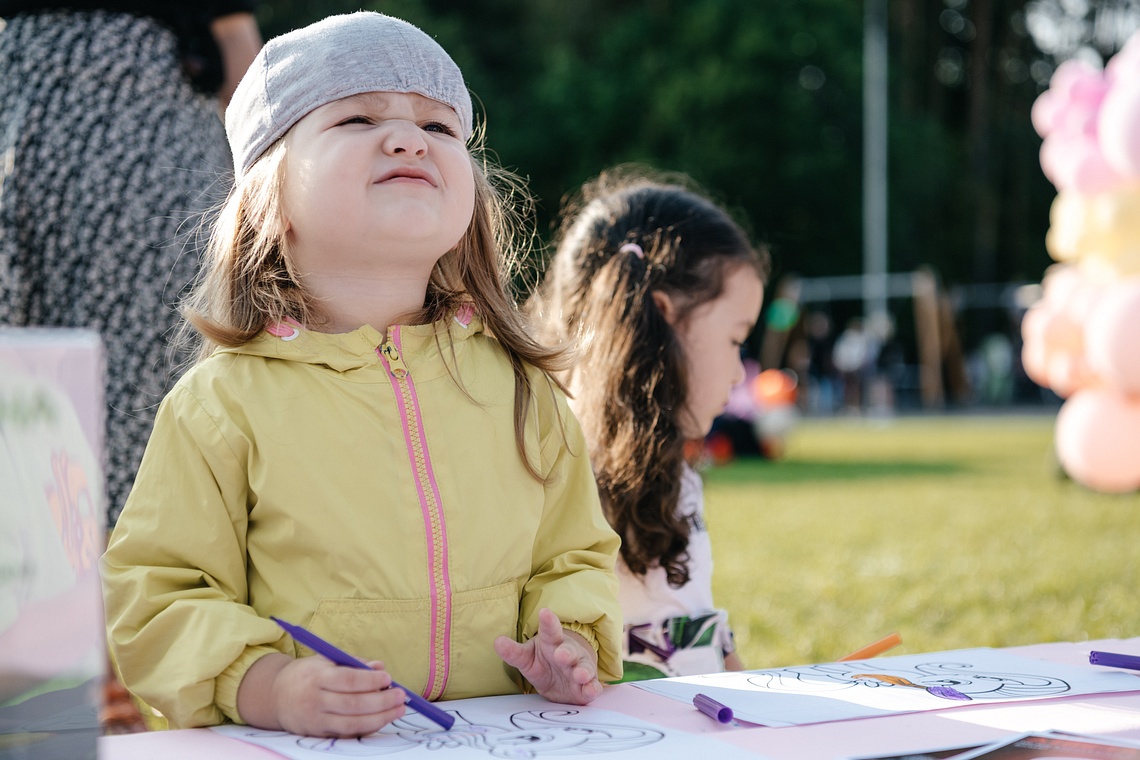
x=1082, y=339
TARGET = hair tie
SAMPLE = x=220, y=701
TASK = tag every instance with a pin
x=633, y=248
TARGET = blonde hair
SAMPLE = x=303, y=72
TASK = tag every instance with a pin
x=249, y=283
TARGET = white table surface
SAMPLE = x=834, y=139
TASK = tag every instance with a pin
x=1110, y=715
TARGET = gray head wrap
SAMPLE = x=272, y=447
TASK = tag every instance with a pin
x=332, y=59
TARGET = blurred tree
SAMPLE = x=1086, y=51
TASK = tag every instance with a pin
x=761, y=103
x=758, y=102
x=962, y=74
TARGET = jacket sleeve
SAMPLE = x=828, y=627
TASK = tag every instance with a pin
x=572, y=568
x=174, y=574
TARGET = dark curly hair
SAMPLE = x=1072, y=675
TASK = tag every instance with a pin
x=629, y=376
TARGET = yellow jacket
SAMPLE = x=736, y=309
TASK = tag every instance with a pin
x=347, y=483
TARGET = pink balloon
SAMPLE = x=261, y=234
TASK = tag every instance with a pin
x=1119, y=114
x=1033, y=361
x=1098, y=440
x=1094, y=174
x=1053, y=350
x=1088, y=87
x=1062, y=334
x=1118, y=127
x=1062, y=157
x=1053, y=160
x=1072, y=75
x=1033, y=323
x=1068, y=373
x=1078, y=120
x=1074, y=161
x=1060, y=284
x=1112, y=338
x=1090, y=123
x=1084, y=299
x=1034, y=357
x=1046, y=112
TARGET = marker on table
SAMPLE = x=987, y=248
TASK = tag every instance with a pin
x=322, y=647
x=713, y=709
x=875, y=649
x=1112, y=660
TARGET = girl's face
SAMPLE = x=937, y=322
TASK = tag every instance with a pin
x=712, y=336
x=381, y=178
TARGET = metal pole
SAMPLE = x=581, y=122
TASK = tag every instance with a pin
x=875, y=160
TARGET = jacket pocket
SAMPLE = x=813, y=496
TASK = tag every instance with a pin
x=478, y=618
x=398, y=631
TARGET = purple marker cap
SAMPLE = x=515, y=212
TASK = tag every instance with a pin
x=713, y=709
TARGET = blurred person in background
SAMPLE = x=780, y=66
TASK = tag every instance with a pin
x=113, y=148
x=854, y=355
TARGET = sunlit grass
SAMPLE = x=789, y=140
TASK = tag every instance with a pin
x=954, y=531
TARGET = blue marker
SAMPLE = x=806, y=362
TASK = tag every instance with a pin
x=322, y=647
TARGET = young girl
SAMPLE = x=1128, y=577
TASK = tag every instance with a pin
x=659, y=288
x=372, y=447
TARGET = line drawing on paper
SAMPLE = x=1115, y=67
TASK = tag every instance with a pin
x=952, y=680
x=817, y=693
x=530, y=734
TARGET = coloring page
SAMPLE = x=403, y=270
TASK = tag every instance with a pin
x=518, y=726
x=888, y=685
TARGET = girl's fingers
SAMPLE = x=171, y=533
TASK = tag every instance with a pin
x=344, y=726
x=549, y=627
x=510, y=651
x=364, y=704
x=567, y=656
x=342, y=679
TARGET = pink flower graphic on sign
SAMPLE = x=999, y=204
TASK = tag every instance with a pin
x=73, y=511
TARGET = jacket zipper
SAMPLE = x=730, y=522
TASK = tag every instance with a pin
x=432, y=508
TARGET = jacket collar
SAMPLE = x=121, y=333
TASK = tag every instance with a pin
x=355, y=350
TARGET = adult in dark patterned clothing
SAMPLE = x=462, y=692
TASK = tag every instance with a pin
x=111, y=150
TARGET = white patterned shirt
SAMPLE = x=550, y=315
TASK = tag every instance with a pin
x=650, y=598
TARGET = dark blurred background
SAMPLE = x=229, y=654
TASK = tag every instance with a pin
x=761, y=102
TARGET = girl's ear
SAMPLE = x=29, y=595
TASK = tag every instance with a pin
x=665, y=305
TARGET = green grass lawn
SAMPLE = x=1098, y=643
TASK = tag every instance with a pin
x=953, y=531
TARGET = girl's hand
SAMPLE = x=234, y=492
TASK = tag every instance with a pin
x=314, y=697
x=560, y=664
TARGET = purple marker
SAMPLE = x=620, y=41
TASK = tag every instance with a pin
x=322, y=647
x=713, y=709
x=1113, y=660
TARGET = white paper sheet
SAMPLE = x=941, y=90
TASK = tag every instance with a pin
x=1051, y=745
x=1063, y=715
x=522, y=726
x=888, y=685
